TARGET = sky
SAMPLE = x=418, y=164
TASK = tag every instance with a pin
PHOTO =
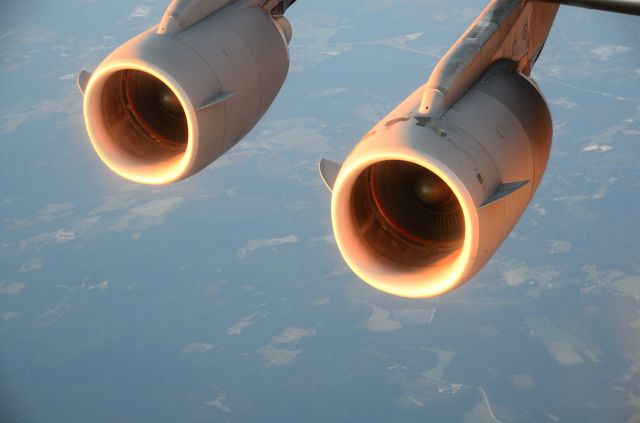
x=223, y=297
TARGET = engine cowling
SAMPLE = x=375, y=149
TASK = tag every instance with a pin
x=423, y=202
x=163, y=106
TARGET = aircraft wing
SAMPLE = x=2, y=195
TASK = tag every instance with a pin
x=630, y=7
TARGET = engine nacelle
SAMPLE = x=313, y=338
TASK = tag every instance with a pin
x=423, y=202
x=163, y=106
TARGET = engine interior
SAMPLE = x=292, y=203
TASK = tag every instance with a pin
x=406, y=214
x=143, y=117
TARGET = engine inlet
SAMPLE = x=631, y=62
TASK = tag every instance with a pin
x=406, y=213
x=144, y=116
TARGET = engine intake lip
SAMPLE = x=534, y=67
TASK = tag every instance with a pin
x=430, y=275
x=134, y=142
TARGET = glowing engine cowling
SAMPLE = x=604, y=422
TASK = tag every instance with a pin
x=423, y=202
x=163, y=106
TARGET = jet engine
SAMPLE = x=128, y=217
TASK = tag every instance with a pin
x=167, y=103
x=424, y=200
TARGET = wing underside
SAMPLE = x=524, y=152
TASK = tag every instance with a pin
x=630, y=7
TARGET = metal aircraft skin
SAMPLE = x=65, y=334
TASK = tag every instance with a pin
x=423, y=200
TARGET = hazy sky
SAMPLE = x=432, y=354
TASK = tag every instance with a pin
x=224, y=298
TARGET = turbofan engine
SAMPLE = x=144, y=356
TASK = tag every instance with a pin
x=423, y=201
x=170, y=101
